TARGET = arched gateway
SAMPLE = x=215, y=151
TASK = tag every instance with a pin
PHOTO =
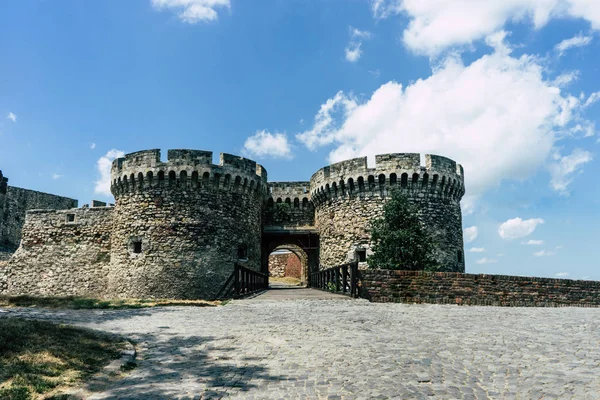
x=289, y=224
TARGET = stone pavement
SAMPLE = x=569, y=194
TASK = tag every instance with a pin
x=350, y=349
x=280, y=291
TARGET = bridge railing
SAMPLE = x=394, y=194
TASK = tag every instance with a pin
x=340, y=279
x=243, y=282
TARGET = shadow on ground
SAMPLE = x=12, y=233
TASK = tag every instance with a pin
x=182, y=367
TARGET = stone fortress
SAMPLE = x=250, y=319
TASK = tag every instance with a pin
x=14, y=202
x=178, y=227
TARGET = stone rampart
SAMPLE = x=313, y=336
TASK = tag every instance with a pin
x=62, y=253
x=180, y=225
x=471, y=289
x=349, y=195
x=16, y=202
x=289, y=205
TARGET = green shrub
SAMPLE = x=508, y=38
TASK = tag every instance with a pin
x=400, y=240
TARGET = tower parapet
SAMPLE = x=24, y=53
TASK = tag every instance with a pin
x=186, y=169
x=440, y=176
x=349, y=195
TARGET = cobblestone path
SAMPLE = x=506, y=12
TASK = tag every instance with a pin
x=350, y=349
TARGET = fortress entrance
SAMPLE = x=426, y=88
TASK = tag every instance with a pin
x=288, y=263
x=290, y=252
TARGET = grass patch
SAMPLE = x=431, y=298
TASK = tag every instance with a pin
x=90, y=303
x=286, y=279
x=39, y=359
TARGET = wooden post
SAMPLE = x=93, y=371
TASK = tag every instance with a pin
x=236, y=285
x=354, y=281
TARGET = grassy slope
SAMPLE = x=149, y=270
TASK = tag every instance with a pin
x=90, y=303
x=38, y=358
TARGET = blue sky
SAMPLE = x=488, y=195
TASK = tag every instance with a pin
x=510, y=90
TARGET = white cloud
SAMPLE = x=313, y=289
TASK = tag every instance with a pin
x=544, y=253
x=264, y=143
x=193, y=11
x=353, y=50
x=12, y=117
x=93, y=146
x=594, y=97
x=563, y=168
x=576, y=41
x=103, y=165
x=486, y=260
x=386, y=8
x=498, y=117
x=470, y=234
x=565, y=79
x=586, y=128
x=561, y=274
x=476, y=250
x=533, y=242
x=56, y=176
x=358, y=34
x=435, y=26
x=324, y=130
x=517, y=228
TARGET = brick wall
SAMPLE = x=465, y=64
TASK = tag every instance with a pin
x=285, y=265
x=470, y=289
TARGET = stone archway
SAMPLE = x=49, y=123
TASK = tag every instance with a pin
x=292, y=263
x=304, y=242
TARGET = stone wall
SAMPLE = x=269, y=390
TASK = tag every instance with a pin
x=289, y=205
x=349, y=195
x=17, y=201
x=3, y=277
x=191, y=220
x=470, y=289
x=62, y=253
x=285, y=265
x=3, y=190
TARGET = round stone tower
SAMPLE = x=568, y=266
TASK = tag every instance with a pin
x=180, y=225
x=348, y=195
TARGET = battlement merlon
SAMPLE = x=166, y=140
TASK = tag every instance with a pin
x=443, y=164
x=194, y=157
x=394, y=161
x=238, y=162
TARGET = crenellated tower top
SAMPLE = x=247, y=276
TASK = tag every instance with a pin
x=186, y=169
x=440, y=176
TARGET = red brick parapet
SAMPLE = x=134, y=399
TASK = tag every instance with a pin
x=384, y=286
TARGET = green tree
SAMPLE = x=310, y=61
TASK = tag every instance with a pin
x=400, y=240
